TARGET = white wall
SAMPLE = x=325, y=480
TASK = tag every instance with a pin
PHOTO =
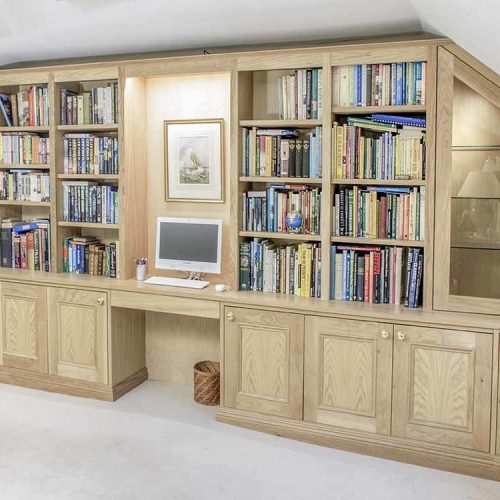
x=174, y=343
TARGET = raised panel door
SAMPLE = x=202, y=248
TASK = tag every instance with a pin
x=442, y=386
x=24, y=327
x=348, y=373
x=263, y=354
x=78, y=339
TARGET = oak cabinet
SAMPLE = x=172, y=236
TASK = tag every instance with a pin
x=442, y=386
x=468, y=187
x=348, y=373
x=24, y=327
x=78, y=334
x=263, y=355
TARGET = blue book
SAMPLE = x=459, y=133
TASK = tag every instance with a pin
x=418, y=78
x=413, y=277
x=404, y=83
x=393, y=83
x=6, y=109
x=359, y=97
x=314, y=94
x=399, y=84
x=24, y=228
x=384, y=189
x=399, y=120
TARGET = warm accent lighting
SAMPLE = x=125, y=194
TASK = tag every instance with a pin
x=482, y=183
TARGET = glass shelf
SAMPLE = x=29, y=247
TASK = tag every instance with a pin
x=479, y=245
x=475, y=198
x=477, y=147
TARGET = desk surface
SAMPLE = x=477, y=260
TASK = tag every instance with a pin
x=205, y=302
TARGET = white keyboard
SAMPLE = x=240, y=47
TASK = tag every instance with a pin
x=158, y=280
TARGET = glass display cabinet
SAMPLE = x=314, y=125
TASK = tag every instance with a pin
x=467, y=216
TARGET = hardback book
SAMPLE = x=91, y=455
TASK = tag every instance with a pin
x=6, y=110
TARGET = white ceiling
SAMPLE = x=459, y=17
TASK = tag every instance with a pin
x=50, y=29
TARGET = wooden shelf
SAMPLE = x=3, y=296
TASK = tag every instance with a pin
x=22, y=166
x=103, y=177
x=379, y=182
x=280, y=123
x=280, y=236
x=94, y=225
x=25, y=203
x=364, y=110
x=377, y=241
x=111, y=127
x=25, y=129
x=281, y=180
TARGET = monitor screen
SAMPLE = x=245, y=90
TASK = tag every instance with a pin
x=188, y=244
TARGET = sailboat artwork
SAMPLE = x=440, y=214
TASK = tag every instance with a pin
x=194, y=160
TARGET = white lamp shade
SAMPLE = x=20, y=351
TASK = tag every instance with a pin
x=480, y=184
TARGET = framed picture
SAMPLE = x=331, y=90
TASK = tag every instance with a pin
x=194, y=160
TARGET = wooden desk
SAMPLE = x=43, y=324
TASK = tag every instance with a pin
x=197, y=307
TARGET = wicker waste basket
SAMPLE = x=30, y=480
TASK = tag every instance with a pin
x=207, y=383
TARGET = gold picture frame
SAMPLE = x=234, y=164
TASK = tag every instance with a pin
x=194, y=160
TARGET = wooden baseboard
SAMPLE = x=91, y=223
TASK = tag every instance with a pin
x=129, y=383
x=473, y=463
x=73, y=387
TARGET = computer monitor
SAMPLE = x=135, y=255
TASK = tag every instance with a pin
x=192, y=245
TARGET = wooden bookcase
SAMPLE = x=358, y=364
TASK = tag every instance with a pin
x=253, y=103
x=257, y=107
x=22, y=210
x=106, y=233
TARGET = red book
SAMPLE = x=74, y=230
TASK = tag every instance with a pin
x=23, y=251
x=376, y=277
x=366, y=291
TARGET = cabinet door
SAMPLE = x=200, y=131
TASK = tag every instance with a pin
x=24, y=327
x=263, y=361
x=78, y=338
x=348, y=374
x=442, y=386
x=468, y=189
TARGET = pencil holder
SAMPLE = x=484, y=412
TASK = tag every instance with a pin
x=140, y=272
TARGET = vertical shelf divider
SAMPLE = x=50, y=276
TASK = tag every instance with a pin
x=326, y=191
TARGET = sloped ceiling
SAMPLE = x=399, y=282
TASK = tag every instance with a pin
x=51, y=29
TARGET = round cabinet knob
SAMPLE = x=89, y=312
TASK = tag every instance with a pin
x=384, y=334
x=100, y=301
x=401, y=335
x=230, y=316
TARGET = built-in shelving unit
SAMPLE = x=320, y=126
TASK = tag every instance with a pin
x=259, y=102
x=77, y=91
x=25, y=180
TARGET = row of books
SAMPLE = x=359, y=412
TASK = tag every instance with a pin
x=88, y=255
x=90, y=154
x=23, y=148
x=380, y=212
x=89, y=202
x=99, y=105
x=380, y=275
x=286, y=269
x=281, y=153
x=267, y=210
x=393, y=84
x=28, y=107
x=24, y=185
x=375, y=149
x=25, y=245
x=300, y=95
